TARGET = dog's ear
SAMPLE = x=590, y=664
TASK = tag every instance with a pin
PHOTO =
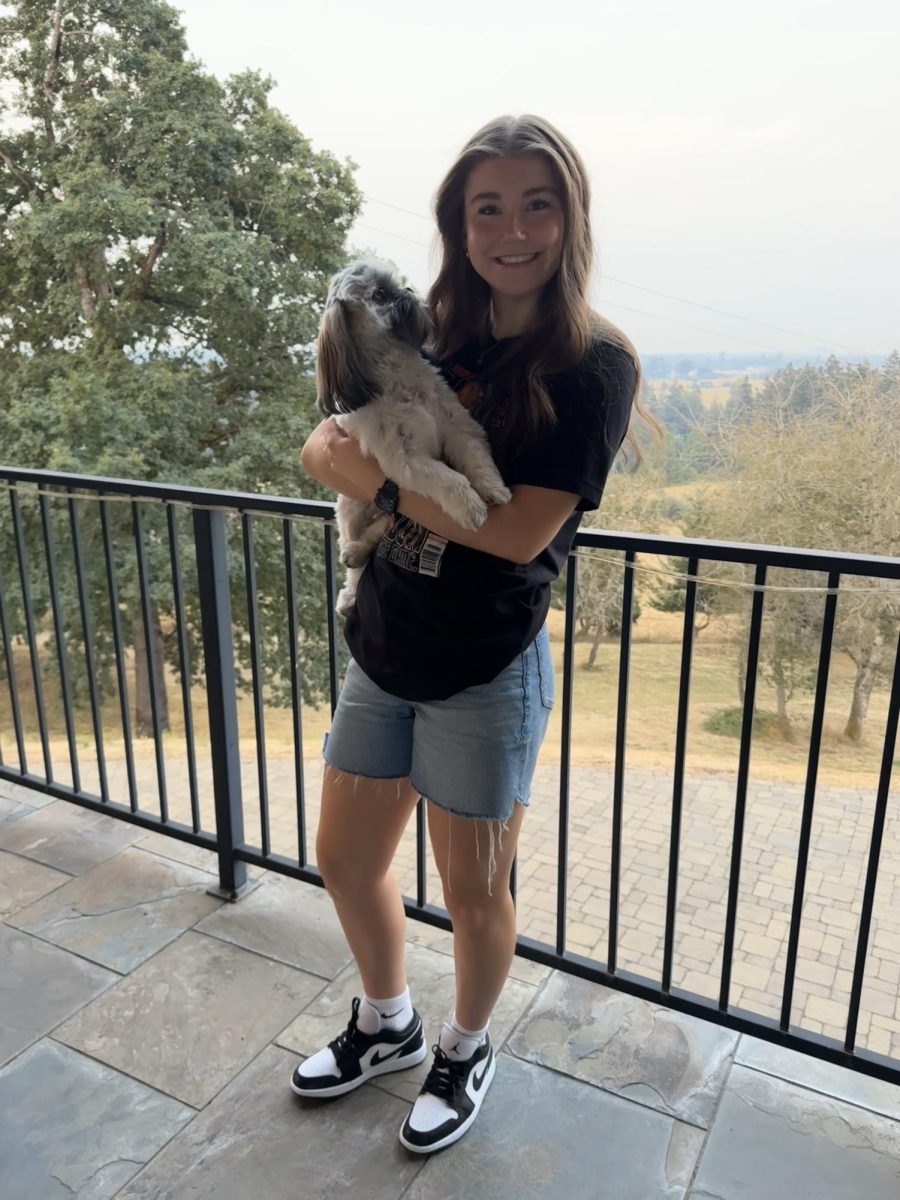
x=343, y=382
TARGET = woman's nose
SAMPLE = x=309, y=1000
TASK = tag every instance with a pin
x=516, y=225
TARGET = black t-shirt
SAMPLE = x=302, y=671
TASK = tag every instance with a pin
x=433, y=617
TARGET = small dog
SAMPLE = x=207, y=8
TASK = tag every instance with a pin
x=372, y=376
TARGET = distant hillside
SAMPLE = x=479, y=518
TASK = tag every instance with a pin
x=726, y=365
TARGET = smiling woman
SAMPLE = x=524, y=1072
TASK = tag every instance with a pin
x=450, y=684
x=514, y=235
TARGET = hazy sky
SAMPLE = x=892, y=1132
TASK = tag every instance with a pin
x=746, y=161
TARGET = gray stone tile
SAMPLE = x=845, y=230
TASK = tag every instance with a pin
x=546, y=1136
x=193, y=856
x=818, y=1076
x=23, y=881
x=179, y=851
x=191, y=1017
x=650, y=1054
x=432, y=986
x=98, y=1132
x=814, y=1146
x=287, y=920
x=68, y=837
x=123, y=910
x=527, y=971
x=13, y=810
x=17, y=793
x=258, y=1139
x=419, y=933
x=40, y=986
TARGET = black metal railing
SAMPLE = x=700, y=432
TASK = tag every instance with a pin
x=209, y=510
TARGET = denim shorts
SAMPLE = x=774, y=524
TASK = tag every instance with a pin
x=473, y=754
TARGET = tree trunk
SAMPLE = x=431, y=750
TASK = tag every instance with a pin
x=595, y=645
x=862, y=689
x=143, y=714
x=784, y=720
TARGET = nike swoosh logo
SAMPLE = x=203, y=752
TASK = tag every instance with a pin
x=380, y=1058
x=478, y=1080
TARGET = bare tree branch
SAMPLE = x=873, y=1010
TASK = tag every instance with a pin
x=53, y=69
x=22, y=176
x=150, y=261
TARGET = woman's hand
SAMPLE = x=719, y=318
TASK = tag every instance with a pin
x=331, y=436
x=333, y=455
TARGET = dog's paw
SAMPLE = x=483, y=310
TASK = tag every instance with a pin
x=497, y=495
x=354, y=555
x=346, y=602
x=474, y=511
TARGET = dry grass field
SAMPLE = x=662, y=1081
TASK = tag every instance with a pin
x=711, y=393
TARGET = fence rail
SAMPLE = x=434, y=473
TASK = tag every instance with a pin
x=30, y=556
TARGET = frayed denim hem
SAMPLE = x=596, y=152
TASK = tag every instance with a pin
x=490, y=822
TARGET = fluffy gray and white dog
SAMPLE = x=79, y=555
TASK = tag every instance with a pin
x=371, y=376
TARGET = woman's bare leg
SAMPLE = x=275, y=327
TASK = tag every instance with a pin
x=484, y=918
x=360, y=826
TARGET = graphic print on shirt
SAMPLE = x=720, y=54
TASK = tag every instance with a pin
x=412, y=547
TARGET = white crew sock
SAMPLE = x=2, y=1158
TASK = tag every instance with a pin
x=394, y=1013
x=369, y=1020
x=458, y=1042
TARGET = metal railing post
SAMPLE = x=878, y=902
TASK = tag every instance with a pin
x=221, y=696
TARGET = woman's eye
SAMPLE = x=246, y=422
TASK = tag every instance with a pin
x=483, y=211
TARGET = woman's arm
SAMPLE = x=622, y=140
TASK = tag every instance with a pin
x=517, y=531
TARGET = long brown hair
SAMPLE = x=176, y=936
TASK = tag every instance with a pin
x=569, y=328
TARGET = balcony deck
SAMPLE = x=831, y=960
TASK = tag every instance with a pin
x=149, y=1029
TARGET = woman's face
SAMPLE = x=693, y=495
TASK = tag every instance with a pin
x=514, y=223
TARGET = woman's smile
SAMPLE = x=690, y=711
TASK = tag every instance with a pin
x=517, y=260
x=514, y=226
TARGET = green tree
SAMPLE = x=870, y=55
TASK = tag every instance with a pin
x=740, y=397
x=165, y=245
x=696, y=519
x=630, y=502
x=819, y=467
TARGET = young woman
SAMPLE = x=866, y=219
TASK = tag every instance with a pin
x=450, y=684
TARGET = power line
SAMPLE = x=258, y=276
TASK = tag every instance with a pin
x=653, y=291
x=611, y=303
x=700, y=328
x=714, y=581
x=409, y=212
x=387, y=233
x=737, y=317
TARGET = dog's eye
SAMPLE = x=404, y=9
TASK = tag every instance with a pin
x=379, y=294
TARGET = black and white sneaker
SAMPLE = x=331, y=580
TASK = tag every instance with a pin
x=449, y=1100
x=354, y=1056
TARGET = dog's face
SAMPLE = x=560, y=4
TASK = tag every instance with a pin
x=366, y=307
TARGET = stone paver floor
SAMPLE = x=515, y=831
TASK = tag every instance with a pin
x=148, y=1031
x=838, y=860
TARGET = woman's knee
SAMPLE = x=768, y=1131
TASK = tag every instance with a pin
x=346, y=867
x=475, y=908
x=360, y=825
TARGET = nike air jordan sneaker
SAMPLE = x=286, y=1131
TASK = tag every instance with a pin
x=449, y=1100
x=354, y=1056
